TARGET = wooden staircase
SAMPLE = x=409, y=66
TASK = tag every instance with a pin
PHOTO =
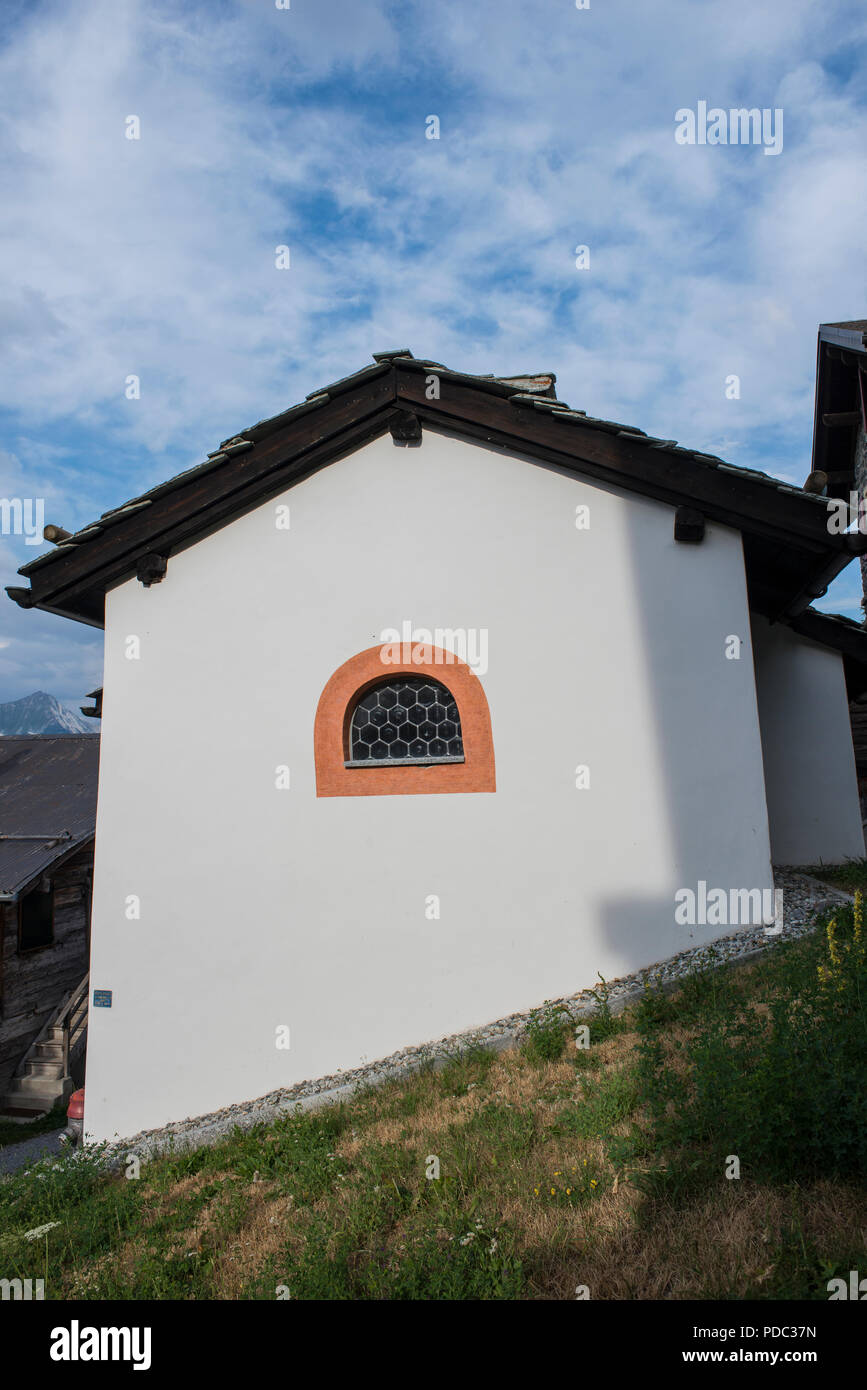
x=44, y=1076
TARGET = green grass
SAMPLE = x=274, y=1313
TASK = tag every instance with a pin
x=848, y=876
x=606, y=1101
x=15, y=1131
x=519, y=1175
x=772, y=1066
x=552, y=1030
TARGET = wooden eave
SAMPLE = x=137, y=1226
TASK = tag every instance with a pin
x=841, y=356
x=790, y=555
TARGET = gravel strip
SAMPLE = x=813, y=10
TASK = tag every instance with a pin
x=802, y=897
x=48, y=1145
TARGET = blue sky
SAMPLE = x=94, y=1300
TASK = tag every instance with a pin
x=306, y=127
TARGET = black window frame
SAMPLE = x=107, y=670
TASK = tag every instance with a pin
x=24, y=950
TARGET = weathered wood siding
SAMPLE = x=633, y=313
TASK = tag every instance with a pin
x=858, y=721
x=33, y=985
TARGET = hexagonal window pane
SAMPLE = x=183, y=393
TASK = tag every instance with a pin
x=409, y=718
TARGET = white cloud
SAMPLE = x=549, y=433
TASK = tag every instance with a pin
x=306, y=127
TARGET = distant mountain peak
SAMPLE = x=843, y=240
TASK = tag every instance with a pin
x=41, y=713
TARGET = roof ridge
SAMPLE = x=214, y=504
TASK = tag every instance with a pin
x=271, y=455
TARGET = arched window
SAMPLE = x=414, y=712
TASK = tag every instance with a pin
x=403, y=724
x=409, y=721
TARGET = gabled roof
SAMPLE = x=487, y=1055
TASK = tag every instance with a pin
x=841, y=402
x=47, y=804
x=790, y=555
x=853, y=326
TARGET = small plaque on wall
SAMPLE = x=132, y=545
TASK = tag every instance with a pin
x=102, y=998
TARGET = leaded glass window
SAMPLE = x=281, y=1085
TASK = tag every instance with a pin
x=408, y=720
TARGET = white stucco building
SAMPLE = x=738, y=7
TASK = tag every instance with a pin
x=614, y=685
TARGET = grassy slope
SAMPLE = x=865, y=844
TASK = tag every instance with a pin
x=850, y=876
x=558, y=1167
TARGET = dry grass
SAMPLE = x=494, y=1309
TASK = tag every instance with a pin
x=506, y=1129
x=726, y=1244
x=261, y=1238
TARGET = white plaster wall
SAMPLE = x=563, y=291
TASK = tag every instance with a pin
x=812, y=786
x=262, y=908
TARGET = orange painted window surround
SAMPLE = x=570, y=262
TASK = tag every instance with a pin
x=373, y=667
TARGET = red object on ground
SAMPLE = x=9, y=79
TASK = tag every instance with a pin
x=75, y=1109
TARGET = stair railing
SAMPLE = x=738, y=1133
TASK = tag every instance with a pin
x=71, y=1017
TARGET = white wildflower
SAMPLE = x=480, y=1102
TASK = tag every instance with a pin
x=40, y=1230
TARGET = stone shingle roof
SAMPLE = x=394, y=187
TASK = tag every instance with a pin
x=47, y=803
x=534, y=391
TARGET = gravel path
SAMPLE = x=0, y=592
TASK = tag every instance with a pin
x=31, y=1150
x=802, y=896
